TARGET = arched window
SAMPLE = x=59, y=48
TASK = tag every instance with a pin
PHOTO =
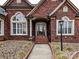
x=67, y=28
x=1, y=27
x=18, y=24
x=65, y=9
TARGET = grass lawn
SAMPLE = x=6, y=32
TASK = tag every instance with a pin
x=13, y=49
x=69, y=49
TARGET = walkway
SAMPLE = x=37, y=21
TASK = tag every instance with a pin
x=41, y=51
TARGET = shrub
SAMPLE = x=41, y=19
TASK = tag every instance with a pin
x=20, y=54
x=69, y=49
x=61, y=57
x=1, y=45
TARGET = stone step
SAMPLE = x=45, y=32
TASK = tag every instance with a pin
x=41, y=39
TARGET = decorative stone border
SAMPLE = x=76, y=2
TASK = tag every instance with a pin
x=29, y=51
x=53, y=53
x=73, y=55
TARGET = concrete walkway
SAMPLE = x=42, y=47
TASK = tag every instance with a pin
x=41, y=51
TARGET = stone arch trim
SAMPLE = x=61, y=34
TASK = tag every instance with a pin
x=16, y=14
x=65, y=17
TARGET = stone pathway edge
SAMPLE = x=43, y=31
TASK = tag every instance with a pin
x=53, y=54
x=26, y=57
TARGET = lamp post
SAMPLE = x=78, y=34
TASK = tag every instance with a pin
x=49, y=18
x=61, y=24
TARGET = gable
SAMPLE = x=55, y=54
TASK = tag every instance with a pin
x=47, y=6
x=69, y=3
x=71, y=13
x=13, y=4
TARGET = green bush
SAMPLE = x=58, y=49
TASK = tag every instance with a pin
x=1, y=45
x=57, y=48
x=20, y=54
x=69, y=49
x=58, y=52
x=61, y=56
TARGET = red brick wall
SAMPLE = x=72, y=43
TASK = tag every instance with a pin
x=7, y=28
x=47, y=7
x=59, y=14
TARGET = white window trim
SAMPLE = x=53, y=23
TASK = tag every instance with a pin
x=11, y=22
x=2, y=27
x=73, y=26
x=16, y=33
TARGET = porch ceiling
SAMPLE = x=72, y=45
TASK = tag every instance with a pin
x=40, y=19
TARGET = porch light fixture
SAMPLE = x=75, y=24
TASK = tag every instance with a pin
x=61, y=37
x=48, y=17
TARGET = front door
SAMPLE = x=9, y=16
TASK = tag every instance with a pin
x=41, y=29
x=41, y=32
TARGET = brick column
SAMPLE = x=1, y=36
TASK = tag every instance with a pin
x=77, y=29
x=53, y=28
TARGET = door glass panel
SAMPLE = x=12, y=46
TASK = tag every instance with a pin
x=41, y=29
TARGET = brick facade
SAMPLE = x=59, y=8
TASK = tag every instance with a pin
x=59, y=14
x=12, y=8
x=47, y=7
x=42, y=12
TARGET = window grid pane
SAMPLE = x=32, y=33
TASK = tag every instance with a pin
x=66, y=28
x=24, y=28
x=14, y=28
x=19, y=28
x=70, y=27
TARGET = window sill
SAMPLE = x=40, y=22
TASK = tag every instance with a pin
x=65, y=34
x=1, y=34
x=19, y=34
